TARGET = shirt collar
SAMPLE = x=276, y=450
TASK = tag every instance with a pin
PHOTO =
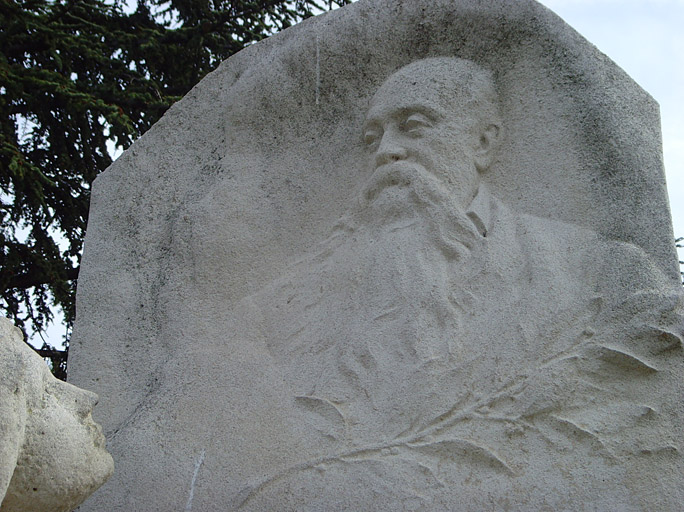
x=480, y=210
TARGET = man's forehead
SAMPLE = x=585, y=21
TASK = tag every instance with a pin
x=410, y=90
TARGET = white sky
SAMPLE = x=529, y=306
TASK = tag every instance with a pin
x=646, y=39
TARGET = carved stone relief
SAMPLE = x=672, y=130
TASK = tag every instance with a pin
x=391, y=260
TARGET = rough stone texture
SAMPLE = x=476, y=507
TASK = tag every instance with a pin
x=322, y=284
x=52, y=455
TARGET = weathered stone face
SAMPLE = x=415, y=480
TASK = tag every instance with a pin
x=53, y=455
x=406, y=255
x=429, y=119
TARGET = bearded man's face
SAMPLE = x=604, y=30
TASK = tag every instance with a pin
x=421, y=144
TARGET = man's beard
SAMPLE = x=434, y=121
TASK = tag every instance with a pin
x=370, y=317
x=403, y=192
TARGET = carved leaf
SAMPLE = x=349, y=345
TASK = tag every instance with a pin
x=323, y=415
x=661, y=339
x=618, y=357
x=473, y=452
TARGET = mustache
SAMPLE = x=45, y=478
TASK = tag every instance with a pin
x=425, y=186
x=446, y=222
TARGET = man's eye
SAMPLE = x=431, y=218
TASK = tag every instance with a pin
x=416, y=122
x=371, y=137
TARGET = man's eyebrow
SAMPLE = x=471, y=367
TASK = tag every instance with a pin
x=422, y=109
x=376, y=118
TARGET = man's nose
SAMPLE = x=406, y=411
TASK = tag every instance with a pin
x=389, y=150
x=78, y=400
x=84, y=402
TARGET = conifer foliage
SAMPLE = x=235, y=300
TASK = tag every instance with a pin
x=77, y=78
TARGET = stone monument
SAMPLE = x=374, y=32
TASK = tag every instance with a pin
x=52, y=455
x=403, y=256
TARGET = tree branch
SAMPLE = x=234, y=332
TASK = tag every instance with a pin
x=31, y=279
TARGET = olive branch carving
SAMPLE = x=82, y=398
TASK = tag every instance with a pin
x=577, y=389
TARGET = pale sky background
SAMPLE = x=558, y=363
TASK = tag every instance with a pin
x=646, y=39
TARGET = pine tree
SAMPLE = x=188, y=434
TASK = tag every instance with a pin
x=78, y=77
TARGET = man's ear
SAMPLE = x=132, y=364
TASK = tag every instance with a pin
x=487, y=145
